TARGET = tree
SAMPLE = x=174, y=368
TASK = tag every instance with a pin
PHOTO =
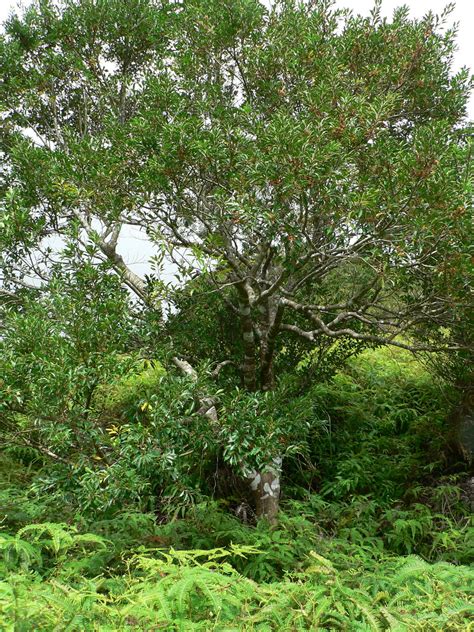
x=312, y=165
x=57, y=347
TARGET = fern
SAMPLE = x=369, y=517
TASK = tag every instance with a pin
x=19, y=552
x=189, y=590
x=61, y=537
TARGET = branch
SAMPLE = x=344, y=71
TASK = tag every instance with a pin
x=9, y=294
x=350, y=333
x=42, y=449
x=215, y=373
x=186, y=368
x=132, y=280
x=308, y=335
x=109, y=249
x=207, y=404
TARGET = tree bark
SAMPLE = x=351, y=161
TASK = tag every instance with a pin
x=462, y=420
x=267, y=349
x=249, y=366
x=265, y=486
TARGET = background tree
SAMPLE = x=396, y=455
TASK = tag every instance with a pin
x=313, y=166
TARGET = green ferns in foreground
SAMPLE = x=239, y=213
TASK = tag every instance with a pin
x=200, y=590
x=384, y=544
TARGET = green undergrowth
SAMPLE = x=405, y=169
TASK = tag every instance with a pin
x=50, y=580
x=375, y=531
x=115, y=399
x=211, y=571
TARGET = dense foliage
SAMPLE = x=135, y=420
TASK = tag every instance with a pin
x=374, y=534
x=306, y=174
x=309, y=168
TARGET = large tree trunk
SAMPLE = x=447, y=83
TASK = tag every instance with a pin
x=265, y=486
x=267, y=345
x=248, y=338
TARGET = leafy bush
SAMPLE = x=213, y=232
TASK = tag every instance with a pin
x=34, y=545
x=351, y=550
x=124, y=396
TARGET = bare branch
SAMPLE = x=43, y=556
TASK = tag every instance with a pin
x=186, y=368
x=215, y=372
x=207, y=404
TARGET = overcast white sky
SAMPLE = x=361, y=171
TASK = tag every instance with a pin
x=137, y=251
